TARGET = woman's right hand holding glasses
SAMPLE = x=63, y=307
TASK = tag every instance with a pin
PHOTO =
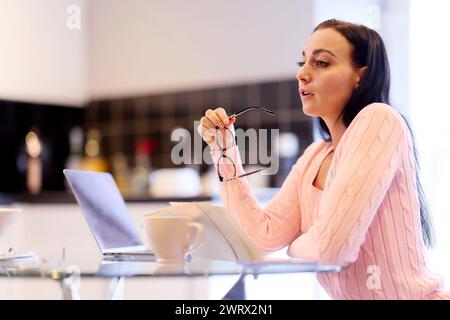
x=215, y=121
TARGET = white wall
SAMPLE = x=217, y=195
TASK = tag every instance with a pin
x=141, y=47
x=153, y=46
x=395, y=32
x=41, y=60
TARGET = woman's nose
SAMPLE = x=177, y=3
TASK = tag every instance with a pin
x=303, y=75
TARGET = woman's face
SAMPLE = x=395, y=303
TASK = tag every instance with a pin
x=327, y=75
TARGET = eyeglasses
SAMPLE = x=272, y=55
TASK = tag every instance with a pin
x=225, y=140
x=251, y=108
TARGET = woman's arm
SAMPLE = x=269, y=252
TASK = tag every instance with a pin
x=279, y=223
x=368, y=160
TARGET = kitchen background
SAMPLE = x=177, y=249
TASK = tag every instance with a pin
x=134, y=73
x=108, y=95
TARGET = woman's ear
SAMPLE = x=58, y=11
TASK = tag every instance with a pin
x=360, y=75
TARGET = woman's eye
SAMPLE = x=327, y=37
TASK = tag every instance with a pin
x=301, y=63
x=321, y=63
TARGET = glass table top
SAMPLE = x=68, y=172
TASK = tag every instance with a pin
x=196, y=267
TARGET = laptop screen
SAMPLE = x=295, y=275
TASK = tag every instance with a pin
x=104, y=208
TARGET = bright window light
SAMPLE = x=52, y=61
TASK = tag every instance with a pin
x=430, y=115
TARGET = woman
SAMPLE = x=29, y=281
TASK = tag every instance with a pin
x=354, y=197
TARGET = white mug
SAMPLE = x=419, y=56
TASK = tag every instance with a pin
x=172, y=237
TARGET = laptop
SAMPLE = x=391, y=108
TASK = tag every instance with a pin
x=107, y=216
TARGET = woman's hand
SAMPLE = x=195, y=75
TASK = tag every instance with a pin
x=213, y=120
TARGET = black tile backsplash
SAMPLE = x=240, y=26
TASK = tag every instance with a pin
x=52, y=123
x=156, y=116
x=125, y=121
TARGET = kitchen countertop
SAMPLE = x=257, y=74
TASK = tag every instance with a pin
x=67, y=197
x=61, y=197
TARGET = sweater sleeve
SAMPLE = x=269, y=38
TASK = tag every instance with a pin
x=279, y=223
x=370, y=154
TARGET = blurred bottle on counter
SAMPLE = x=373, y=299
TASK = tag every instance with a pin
x=76, y=137
x=93, y=159
x=34, y=162
x=141, y=171
x=120, y=171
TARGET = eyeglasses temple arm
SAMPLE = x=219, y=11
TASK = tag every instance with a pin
x=249, y=108
x=245, y=174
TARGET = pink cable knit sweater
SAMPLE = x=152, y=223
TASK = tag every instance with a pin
x=367, y=216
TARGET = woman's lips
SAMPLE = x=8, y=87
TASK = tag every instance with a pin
x=304, y=94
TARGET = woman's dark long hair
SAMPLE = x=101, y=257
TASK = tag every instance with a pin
x=369, y=51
